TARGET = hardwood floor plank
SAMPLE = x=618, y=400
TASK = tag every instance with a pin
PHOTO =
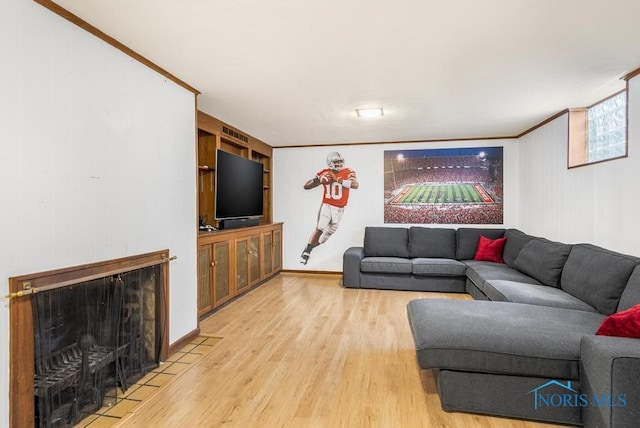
x=302, y=351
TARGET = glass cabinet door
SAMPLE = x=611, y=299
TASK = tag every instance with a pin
x=277, y=250
x=242, y=264
x=267, y=253
x=254, y=259
x=205, y=297
x=247, y=262
x=222, y=290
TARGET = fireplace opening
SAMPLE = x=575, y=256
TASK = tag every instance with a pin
x=89, y=338
x=93, y=336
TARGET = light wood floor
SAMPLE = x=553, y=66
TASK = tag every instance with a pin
x=301, y=351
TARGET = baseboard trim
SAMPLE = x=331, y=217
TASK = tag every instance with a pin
x=314, y=272
x=184, y=340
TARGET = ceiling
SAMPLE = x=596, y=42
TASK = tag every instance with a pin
x=292, y=72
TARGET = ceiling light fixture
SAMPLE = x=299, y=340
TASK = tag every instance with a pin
x=369, y=112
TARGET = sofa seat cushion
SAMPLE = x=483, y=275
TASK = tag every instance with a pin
x=519, y=292
x=386, y=265
x=500, y=337
x=481, y=272
x=438, y=267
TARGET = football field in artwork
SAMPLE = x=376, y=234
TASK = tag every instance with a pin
x=442, y=193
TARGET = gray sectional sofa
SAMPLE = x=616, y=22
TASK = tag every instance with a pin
x=525, y=347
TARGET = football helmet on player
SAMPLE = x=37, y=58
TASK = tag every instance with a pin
x=335, y=161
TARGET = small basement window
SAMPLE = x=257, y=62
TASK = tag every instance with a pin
x=598, y=133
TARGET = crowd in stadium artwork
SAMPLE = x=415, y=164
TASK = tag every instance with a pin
x=440, y=174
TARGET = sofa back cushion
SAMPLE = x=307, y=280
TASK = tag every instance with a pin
x=432, y=242
x=467, y=240
x=631, y=294
x=543, y=260
x=516, y=240
x=597, y=276
x=386, y=242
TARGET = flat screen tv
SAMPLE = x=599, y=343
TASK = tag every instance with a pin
x=238, y=187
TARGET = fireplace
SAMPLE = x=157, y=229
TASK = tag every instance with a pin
x=82, y=332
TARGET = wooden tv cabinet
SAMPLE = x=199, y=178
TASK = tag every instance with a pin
x=231, y=262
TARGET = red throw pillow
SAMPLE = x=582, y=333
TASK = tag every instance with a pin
x=622, y=324
x=490, y=250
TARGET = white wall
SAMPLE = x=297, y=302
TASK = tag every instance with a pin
x=298, y=208
x=594, y=203
x=97, y=161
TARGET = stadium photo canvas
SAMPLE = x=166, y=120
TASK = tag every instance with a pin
x=444, y=186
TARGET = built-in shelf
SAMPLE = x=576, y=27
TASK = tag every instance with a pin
x=231, y=262
x=213, y=135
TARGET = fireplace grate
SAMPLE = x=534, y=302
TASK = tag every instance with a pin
x=63, y=369
x=74, y=368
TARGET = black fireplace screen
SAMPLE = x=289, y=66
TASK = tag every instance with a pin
x=94, y=339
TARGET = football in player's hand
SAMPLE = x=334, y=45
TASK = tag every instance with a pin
x=326, y=178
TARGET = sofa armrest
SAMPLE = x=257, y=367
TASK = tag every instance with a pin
x=351, y=267
x=610, y=371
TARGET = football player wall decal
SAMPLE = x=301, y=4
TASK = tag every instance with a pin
x=336, y=181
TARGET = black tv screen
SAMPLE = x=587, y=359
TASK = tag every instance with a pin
x=238, y=187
